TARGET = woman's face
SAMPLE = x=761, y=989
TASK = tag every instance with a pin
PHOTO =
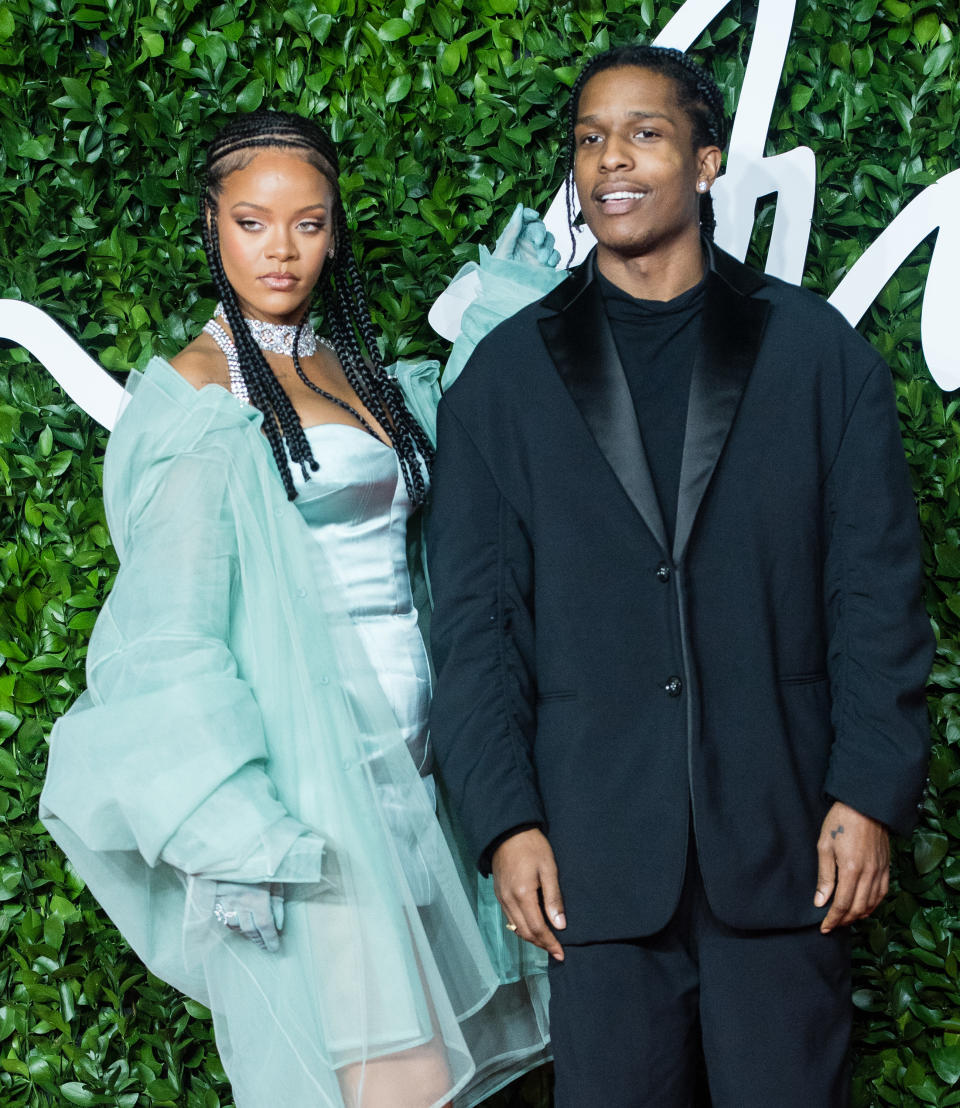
x=275, y=221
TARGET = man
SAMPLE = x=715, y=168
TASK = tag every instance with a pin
x=679, y=633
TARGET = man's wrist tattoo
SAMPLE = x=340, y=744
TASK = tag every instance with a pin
x=837, y=831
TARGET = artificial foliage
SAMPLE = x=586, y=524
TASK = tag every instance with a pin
x=448, y=112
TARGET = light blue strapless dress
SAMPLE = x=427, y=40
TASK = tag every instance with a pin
x=356, y=506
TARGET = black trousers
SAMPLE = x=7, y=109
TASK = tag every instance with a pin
x=761, y=1017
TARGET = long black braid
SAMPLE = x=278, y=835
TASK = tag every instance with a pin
x=697, y=94
x=339, y=293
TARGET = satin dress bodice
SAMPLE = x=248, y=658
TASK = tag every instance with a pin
x=357, y=507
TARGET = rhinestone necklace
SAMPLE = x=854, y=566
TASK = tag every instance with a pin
x=278, y=339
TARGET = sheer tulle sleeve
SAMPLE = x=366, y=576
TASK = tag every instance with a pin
x=506, y=286
x=166, y=751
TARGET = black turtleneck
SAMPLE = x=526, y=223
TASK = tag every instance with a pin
x=657, y=342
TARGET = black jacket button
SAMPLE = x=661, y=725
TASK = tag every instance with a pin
x=674, y=687
x=663, y=572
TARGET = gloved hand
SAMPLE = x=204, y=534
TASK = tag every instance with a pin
x=526, y=239
x=256, y=911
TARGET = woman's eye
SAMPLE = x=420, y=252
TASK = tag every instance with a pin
x=311, y=226
x=249, y=224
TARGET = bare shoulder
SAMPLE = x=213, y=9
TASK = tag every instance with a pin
x=202, y=363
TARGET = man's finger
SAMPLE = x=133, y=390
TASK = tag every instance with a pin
x=842, y=900
x=826, y=874
x=540, y=934
x=859, y=899
x=530, y=922
x=552, y=899
x=875, y=886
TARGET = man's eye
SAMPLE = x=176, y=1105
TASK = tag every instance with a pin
x=589, y=140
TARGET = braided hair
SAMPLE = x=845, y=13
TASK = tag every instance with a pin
x=697, y=94
x=339, y=293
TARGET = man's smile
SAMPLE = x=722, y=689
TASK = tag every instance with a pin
x=615, y=200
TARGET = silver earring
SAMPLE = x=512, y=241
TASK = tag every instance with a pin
x=701, y=186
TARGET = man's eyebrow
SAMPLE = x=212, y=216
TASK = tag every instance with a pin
x=638, y=114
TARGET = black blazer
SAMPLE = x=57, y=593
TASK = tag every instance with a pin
x=612, y=690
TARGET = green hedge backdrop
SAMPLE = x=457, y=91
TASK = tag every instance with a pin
x=448, y=112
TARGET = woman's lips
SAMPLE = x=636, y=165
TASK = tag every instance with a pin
x=279, y=282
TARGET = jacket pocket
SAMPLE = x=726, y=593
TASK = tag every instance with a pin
x=802, y=678
x=559, y=694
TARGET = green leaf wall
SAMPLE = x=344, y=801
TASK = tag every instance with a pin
x=449, y=112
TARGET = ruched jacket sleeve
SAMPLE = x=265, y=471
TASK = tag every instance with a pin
x=482, y=636
x=880, y=643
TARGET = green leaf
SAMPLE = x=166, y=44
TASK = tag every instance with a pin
x=393, y=29
x=946, y=1062
x=449, y=60
x=900, y=9
x=252, y=96
x=53, y=931
x=153, y=44
x=161, y=1090
x=926, y=28
x=800, y=97
x=398, y=88
x=78, y=1093
x=930, y=848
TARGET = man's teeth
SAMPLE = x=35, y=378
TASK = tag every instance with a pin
x=622, y=196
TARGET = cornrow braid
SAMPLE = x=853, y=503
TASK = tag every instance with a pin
x=697, y=93
x=339, y=294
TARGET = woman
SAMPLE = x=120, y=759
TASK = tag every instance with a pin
x=240, y=785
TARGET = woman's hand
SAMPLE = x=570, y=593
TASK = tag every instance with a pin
x=256, y=911
x=526, y=239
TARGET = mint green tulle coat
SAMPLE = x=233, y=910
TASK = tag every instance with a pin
x=215, y=743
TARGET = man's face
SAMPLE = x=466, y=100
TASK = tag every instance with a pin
x=636, y=169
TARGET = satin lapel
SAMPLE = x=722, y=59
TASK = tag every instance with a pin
x=732, y=329
x=580, y=341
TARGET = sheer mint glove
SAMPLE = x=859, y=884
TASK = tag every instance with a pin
x=526, y=239
x=256, y=911
x=521, y=269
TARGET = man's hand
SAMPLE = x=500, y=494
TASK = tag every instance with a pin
x=523, y=867
x=854, y=866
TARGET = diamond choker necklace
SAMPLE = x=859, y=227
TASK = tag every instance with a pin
x=277, y=338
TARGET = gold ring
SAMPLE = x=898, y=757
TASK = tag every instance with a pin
x=511, y=927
